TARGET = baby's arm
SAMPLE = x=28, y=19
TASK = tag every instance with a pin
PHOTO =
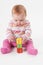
x=10, y=34
x=27, y=33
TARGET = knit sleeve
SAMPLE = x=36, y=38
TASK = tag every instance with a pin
x=9, y=31
x=28, y=31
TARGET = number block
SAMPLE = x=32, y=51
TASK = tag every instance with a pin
x=19, y=46
x=19, y=40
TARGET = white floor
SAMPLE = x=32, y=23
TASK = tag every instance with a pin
x=20, y=59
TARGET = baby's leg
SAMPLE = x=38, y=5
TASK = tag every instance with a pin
x=13, y=44
x=6, y=47
x=30, y=48
x=12, y=38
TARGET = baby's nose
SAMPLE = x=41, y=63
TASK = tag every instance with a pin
x=19, y=23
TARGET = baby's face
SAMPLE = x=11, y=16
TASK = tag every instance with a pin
x=19, y=19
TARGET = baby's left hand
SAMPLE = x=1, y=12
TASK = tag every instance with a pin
x=24, y=40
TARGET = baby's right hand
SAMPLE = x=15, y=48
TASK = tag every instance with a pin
x=10, y=35
x=11, y=38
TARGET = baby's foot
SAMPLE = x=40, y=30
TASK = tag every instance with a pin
x=5, y=50
x=33, y=51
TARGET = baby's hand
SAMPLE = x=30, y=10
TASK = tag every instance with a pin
x=12, y=38
x=23, y=32
x=24, y=40
x=10, y=35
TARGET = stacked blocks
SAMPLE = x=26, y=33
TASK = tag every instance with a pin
x=19, y=45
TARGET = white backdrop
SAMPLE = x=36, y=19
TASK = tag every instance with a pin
x=35, y=16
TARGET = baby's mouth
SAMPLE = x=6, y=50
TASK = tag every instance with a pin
x=20, y=25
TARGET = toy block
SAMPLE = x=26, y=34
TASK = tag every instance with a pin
x=19, y=50
x=19, y=40
x=19, y=46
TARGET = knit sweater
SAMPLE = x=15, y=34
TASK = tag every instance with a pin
x=19, y=31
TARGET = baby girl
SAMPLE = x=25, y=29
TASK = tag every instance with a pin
x=18, y=27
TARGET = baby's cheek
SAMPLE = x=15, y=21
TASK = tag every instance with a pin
x=15, y=23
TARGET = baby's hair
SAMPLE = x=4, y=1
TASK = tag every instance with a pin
x=18, y=9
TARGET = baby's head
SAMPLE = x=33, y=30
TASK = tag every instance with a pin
x=19, y=14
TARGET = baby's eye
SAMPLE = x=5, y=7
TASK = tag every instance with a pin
x=15, y=20
x=21, y=20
